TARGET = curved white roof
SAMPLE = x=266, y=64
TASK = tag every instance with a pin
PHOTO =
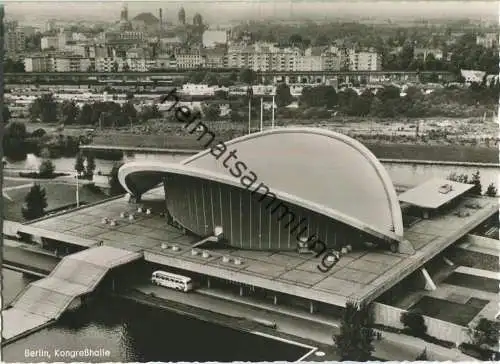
x=321, y=170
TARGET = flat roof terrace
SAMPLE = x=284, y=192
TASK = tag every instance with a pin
x=359, y=275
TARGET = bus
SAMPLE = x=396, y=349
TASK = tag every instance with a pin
x=171, y=280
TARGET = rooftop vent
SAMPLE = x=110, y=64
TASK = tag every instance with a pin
x=140, y=209
x=131, y=217
x=237, y=261
x=148, y=212
x=194, y=252
x=164, y=246
x=206, y=254
x=105, y=220
x=446, y=188
x=113, y=222
x=123, y=215
x=225, y=259
x=175, y=248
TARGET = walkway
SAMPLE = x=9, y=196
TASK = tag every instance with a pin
x=43, y=301
x=301, y=324
x=478, y=272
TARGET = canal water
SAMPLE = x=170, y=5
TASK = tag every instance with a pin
x=400, y=173
x=137, y=333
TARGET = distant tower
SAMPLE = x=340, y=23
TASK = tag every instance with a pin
x=124, y=13
x=182, y=16
x=197, y=20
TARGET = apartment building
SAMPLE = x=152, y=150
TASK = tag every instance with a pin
x=70, y=63
x=50, y=42
x=107, y=64
x=364, y=61
x=15, y=41
x=190, y=60
x=38, y=63
x=215, y=58
x=140, y=64
x=425, y=52
x=489, y=40
x=165, y=61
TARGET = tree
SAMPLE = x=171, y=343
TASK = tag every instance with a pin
x=356, y=333
x=85, y=116
x=295, y=40
x=491, y=191
x=476, y=181
x=248, y=76
x=69, y=112
x=485, y=333
x=212, y=111
x=115, y=187
x=422, y=356
x=211, y=79
x=44, y=108
x=46, y=169
x=320, y=96
x=129, y=113
x=115, y=66
x=79, y=164
x=35, y=203
x=220, y=95
x=6, y=114
x=414, y=322
x=283, y=95
x=462, y=178
x=90, y=167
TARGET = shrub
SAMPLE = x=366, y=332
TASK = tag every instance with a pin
x=46, y=169
x=414, y=322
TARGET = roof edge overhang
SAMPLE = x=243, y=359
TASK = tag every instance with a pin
x=159, y=168
x=392, y=197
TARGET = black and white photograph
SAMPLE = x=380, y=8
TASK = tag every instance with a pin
x=250, y=181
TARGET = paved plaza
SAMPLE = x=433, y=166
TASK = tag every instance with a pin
x=358, y=275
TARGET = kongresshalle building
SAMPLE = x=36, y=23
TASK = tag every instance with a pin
x=245, y=214
x=272, y=190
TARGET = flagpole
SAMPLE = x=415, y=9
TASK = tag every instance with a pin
x=77, y=191
x=261, y=113
x=249, y=113
x=272, y=118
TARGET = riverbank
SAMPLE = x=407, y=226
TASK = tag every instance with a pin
x=446, y=153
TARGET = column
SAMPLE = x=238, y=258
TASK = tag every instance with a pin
x=311, y=307
x=241, y=290
x=429, y=283
x=275, y=299
x=208, y=282
x=112, y=284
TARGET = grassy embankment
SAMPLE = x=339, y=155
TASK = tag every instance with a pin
x=454, y=153
x=58, y=195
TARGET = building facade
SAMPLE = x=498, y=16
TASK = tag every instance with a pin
x=260, y=203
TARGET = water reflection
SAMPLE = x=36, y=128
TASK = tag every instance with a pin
x=134, y=332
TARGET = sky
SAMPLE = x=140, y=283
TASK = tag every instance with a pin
x=220, y=11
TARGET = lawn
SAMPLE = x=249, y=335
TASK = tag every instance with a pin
x=457, y=313
x=57, y=195
x=13, y=183
x=474, y=282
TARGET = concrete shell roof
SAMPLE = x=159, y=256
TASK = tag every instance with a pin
x=317, y=169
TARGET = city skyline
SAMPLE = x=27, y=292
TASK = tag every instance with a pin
x=231, y=10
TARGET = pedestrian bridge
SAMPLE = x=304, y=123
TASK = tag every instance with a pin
x=44, y=301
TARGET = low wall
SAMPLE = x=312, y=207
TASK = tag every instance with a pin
x=483, y=242
x=390, y=316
